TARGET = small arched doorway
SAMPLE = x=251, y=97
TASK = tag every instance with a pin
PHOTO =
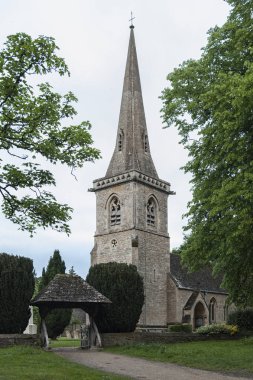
x=199, y=315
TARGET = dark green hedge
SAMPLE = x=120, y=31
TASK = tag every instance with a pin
x=182, y=327
x=242, y=318
x=123, y=285
x=16, y=290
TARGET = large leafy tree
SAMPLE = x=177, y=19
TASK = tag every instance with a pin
x=16, y=290
x=33, y=122
x=56, y=319
x=210, y=100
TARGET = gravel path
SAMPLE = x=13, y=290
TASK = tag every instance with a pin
x=137, y=368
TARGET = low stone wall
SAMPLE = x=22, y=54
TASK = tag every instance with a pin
x=7, y=340
x=120, y=339
x=117, y=339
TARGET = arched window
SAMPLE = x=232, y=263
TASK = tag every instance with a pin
x=212, y=309
x=151, y=212
x=115, y=211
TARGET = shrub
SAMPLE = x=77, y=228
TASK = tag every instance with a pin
x=123, y=285
x=180, y=327
x=218, y=329
x=16, y=290
x=242, y=318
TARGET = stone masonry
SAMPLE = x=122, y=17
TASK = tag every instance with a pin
x=131, y=223
x=135, y=233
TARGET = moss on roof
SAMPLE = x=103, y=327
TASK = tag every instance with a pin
x=66, y=288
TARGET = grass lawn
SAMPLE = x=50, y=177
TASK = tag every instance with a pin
x=29, y=363
x=65, y=342
x=228, y=356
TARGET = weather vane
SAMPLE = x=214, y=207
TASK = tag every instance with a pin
x=131, y=20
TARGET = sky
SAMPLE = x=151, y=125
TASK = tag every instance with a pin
x=93, y=38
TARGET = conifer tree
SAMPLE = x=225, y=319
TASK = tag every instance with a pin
x=16, y=290
x=57, y=319
x=123, y=285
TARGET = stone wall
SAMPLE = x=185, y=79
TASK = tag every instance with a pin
x=172, y=303
x=7, y=340
x=133, y=241
x=177, y=299
x=153, y=257
x=120, y=339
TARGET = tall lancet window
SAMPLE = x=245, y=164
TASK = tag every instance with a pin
x=115, y=211
x=151, y=212
x=212, y=310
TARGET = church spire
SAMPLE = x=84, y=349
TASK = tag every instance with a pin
x=132, y=147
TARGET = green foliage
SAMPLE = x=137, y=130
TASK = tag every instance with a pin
x=177, y=250
x=16, y=290
x=242, y=318
x=123, y=285
x=55, y=265
x=31, y=127
x=210, y=101
x=216, y=328
x=180, y=327
x=57, y=319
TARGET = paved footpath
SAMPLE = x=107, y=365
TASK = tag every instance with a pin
x=136, y=368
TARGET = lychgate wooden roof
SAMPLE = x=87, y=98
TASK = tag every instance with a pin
x=66, y=290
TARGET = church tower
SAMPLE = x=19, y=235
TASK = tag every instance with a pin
x=131, y=202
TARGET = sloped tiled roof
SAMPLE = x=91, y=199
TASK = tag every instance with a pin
x=65, y=288
x=201, y=280
x=191, y=301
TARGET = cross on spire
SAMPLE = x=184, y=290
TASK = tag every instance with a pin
x=131, y=20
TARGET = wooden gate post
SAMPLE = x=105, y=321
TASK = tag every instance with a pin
x=44, y=335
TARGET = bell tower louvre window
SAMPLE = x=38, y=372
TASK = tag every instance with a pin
x=115, y=211
x=151, y=212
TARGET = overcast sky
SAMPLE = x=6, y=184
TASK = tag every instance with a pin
x=93, y=38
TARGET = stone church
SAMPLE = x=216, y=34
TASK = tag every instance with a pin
x=131, y=222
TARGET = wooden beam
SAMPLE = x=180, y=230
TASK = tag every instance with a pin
x=97, y=333
x=44, y=335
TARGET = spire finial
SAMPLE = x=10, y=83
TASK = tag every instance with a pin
x=131, y=20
